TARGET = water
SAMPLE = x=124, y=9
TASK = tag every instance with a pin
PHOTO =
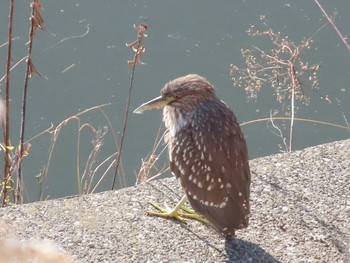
x=85, y=58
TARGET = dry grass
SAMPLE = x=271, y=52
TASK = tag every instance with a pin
x=281, y=68
x=148, y=170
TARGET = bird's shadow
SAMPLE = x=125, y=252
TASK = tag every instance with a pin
x=238, y=250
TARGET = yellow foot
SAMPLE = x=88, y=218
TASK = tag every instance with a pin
x=176, y=213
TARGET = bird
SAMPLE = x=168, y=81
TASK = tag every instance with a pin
x=208, y=153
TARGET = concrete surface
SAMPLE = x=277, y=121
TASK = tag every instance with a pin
x=300, y=213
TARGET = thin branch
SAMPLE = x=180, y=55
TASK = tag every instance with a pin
x=333, y=25
x=7, y=103
x=125, y=120
x=29, y=72
x=138, y=48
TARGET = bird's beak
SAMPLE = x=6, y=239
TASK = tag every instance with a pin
x=156, y=103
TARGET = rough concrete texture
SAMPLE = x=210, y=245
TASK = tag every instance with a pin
x=300, y=213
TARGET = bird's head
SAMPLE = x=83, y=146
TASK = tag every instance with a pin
x=185, y=93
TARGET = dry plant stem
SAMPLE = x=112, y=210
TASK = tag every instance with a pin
x=122, y=181
x=105, y=172
x=47, y=130
x=157, y=175
x=291, y=122
x=139, y=50
x=280, y=133
x=125, y=120
x=281, y=68
x=297, y=119
x=147, y=165
x=333, y=25
x=88, y=174
x=43, y=174
x=56, y=132
x=91, y=158
x=78, y=159
x=294, y=84
x=342, y=112
x=7, y=118
x=19, y=196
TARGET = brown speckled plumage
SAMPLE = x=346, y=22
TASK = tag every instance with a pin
x=207, y=152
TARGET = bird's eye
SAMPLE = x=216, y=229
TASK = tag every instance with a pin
x=176, y=97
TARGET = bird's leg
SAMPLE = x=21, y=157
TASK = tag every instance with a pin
x=176, y=213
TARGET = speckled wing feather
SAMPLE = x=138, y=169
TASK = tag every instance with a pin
x=209, y=155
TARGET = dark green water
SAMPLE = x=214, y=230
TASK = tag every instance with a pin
x=85, y=61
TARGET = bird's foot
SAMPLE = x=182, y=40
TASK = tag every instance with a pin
x=175, y=213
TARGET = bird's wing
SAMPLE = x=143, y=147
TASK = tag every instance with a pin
x=211, y=159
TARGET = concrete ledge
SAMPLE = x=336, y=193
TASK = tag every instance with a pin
x=300, y=213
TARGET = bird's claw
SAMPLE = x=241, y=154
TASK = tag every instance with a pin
x=175, y=213
x=165, y=212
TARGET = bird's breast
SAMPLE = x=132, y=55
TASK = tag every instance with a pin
x=175, y=120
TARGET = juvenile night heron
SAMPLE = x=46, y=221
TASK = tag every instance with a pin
x=207, y=152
